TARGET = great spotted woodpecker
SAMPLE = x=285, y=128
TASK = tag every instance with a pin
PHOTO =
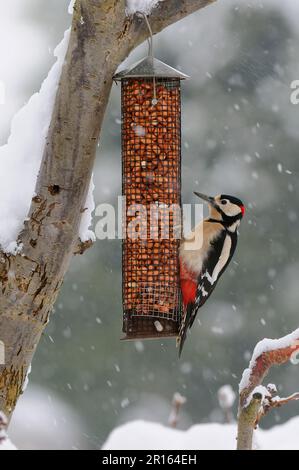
x=206, y=253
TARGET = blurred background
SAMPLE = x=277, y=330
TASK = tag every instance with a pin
x=239, y=136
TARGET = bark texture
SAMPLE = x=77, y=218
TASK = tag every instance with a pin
x=246, y=422
x=30, y=281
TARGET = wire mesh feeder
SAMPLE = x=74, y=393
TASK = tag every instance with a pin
x=151, y=166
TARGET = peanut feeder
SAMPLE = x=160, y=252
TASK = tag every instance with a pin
x=151, y=185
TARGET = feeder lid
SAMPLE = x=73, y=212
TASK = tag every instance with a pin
x=148, y=68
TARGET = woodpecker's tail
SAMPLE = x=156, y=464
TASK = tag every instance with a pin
x=186, y=320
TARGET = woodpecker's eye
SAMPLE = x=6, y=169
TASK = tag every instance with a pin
x=223, y=202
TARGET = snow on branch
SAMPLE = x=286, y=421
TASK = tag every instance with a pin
x=21, y=157
x=257, y=400
x=177, y=402
x=272, y=400
x=226, y=399
x=267, y=353
x=144, y=6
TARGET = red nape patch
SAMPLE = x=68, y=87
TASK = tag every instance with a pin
x=188, y=291
x=243, y=210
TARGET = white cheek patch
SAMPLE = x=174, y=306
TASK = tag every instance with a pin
x=231, y=209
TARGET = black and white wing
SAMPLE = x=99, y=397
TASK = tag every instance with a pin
x=219, y=256
x=213, y=267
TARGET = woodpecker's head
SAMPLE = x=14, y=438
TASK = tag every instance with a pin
x=227, y=209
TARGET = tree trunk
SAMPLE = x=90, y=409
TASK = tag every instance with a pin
x=246, y=422
x=101, y=38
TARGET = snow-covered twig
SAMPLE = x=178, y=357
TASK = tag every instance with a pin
x=275, y=401
x=267, y=353
x=226, y=400
x=177, y=402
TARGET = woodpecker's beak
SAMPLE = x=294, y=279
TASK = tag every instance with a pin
x=209, y=199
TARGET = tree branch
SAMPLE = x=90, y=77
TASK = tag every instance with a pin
x=164, y=14
x=260, y=365
x=101, y=38
x=274, y=402
x=267, y=353
x=177, y=402
x=246, y=422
